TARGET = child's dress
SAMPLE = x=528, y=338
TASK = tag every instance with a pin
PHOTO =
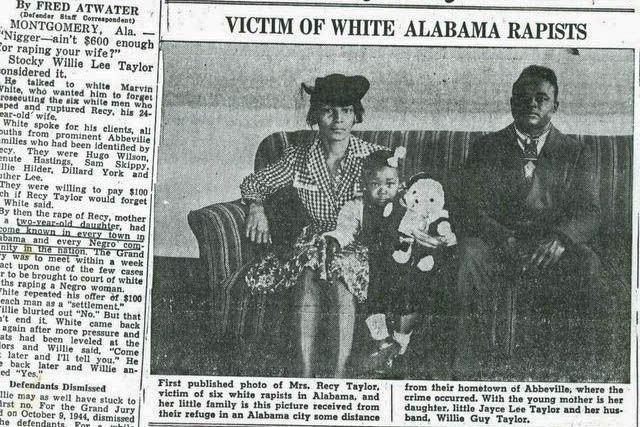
x=366, y=229
x=399, y=288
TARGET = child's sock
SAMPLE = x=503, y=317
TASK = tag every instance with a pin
x=403, y=340
x=377, y=324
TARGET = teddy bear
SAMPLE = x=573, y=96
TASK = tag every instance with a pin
x=424, y=201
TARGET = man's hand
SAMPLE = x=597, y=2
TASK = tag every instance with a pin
x=257, y=229
x=546, y=256
x=429, y=241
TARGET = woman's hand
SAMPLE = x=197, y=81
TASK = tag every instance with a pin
x=427, y=240
x=257, y=229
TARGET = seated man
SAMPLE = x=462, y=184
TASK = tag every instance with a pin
x=532, y=205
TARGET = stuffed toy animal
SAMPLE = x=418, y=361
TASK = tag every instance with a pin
x=424, y=200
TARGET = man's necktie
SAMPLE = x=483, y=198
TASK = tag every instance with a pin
x=530, y=156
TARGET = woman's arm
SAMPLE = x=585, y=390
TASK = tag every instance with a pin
x=259, y=185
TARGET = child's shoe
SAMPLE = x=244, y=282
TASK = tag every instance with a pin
x=398, y=369
x=381, y=361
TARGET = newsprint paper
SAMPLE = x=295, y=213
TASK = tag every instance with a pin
x=193, y=230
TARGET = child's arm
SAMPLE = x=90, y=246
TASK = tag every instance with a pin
x=348, y=224
x=448, y=236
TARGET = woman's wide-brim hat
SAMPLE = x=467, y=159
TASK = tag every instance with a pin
x=337, y=89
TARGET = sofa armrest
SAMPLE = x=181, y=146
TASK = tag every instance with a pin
x=219, y=230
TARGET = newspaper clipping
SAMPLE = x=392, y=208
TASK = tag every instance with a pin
x=79, y=102
x=350, y=212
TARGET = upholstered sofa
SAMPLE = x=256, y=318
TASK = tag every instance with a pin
x=225, y=253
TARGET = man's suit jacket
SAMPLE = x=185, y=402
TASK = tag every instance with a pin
x=562, y=200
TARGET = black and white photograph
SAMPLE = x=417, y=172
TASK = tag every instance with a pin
x=337, y=213
x=419, y=213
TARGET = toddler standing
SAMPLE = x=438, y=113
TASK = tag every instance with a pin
x=395, y=288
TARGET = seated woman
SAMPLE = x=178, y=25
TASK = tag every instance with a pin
x=325, y=174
